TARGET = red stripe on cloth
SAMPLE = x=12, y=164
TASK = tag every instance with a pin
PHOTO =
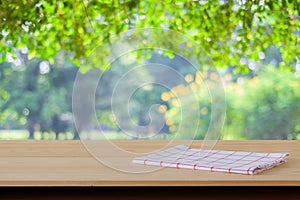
x=248, y=171
x=233, y=161
x=253, y=161
x=221, y=158
x=212, y=169
x=265, y=156
x=189, y=155
x=197, y=160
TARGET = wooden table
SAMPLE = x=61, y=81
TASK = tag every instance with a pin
x=68, y=163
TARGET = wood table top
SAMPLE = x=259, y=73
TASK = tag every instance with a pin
x=71, y=163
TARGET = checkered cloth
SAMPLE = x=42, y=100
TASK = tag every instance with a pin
x=213, y=160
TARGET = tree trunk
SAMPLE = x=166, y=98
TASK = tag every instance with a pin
x=76, y=134
x=56, y=135
x=284, y=136
x=30, y=128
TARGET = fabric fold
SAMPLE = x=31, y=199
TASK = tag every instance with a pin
x=213, y=160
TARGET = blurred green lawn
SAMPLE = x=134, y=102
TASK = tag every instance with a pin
x=23, y=135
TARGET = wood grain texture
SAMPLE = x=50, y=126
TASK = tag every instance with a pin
x=68, y=163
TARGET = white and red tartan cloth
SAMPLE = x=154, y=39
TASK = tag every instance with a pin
x=213, y=160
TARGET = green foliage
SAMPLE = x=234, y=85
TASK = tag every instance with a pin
x=230, y=33
x=34, y=92
x=263, y=107
x=268, y=107
x=228, y=30
x=189, y=113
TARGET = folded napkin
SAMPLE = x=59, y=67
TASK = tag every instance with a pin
x=213, y=160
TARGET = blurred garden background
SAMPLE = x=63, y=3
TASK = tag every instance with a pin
x=253, y=44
